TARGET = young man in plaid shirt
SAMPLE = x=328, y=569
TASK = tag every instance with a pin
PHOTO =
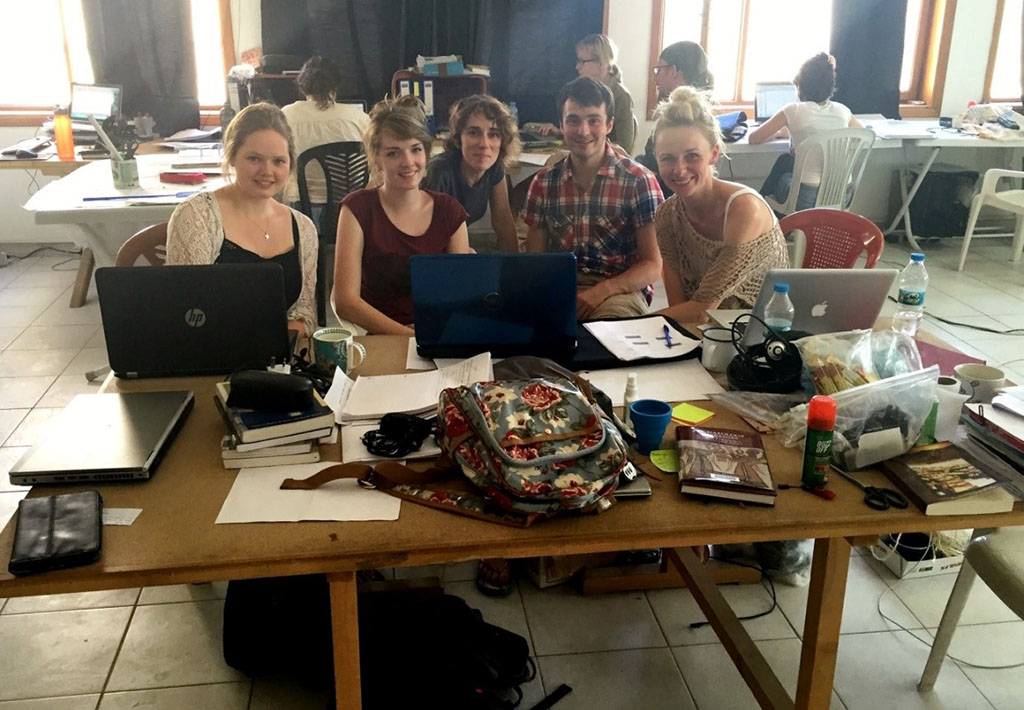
x=598, y=205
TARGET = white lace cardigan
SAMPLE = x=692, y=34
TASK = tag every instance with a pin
x=195, y=235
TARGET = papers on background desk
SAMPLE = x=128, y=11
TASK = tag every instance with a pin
x=640, y=338
x=891, y=128
x=540, y=159
x=679, y=381
x=256, y=497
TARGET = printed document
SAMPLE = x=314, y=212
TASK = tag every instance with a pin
x=639, y=338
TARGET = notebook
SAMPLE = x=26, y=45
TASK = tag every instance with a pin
x=770, y=97
x=173, y=321
x=105, y=437
x=826, y=300
x=505, y=304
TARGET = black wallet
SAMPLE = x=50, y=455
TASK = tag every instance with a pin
x=56, y=532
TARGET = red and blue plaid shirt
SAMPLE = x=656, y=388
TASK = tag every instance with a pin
x=598, y=225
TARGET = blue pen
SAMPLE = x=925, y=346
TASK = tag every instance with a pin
x=668, y=337
x=183, y=193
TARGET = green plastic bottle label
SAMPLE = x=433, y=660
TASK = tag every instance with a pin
x=817, y=453
x=911, y=298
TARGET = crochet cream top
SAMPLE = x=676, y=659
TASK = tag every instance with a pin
x=710, y=270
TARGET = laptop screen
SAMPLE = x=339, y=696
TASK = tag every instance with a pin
x=100, y=101
x=769, y=98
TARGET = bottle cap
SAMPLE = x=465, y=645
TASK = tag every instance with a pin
x=781, y=288
x=917, y=256
x=821, y=413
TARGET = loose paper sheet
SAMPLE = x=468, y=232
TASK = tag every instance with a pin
x=679, y=381
x=120, y=516
x=352, y=448
x=413, y=361
x=641, y=338
x=256, y=497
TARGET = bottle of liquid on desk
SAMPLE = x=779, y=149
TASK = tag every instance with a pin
x=821, y=421
x=779, y=312
x=514, y=111
x=628, y=398
x=910, y=302
x=62, y=134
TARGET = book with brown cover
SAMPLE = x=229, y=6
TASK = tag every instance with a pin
x=724, y=463
x=942, y=479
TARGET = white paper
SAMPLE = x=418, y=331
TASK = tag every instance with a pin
x=338, y=392
x=1007, y=421
x=413, y=361
x=681, y=381
x=120, y=516
x=1009, y=402
x=540, y=159
x=641, y=338
x=256, y=497
x=947, y=414
x=353, y=450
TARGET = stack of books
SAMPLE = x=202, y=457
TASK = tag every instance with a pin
x=264, y=438
x=999, y=427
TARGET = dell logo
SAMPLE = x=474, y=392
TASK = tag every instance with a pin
x=195, y=317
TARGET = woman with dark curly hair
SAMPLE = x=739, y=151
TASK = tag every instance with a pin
x=318, y=120
x=483, y=144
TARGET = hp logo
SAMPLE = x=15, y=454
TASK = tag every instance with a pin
x=195, y=317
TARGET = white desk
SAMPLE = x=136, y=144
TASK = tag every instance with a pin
x=107, y=224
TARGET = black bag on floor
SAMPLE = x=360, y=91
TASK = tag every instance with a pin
x=938, y=208
x=417, y=649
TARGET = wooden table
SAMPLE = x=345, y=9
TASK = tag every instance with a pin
x=175, y=540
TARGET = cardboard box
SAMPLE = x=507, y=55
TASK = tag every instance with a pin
x=910, y=569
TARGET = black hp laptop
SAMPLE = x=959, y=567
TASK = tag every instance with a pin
x=172, y=321
x=505, y=304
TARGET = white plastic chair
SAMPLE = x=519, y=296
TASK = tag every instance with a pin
x=998, y=558
x=843, y=153
x=1009, y=200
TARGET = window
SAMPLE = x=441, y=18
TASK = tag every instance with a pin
x=58, y=51
x=741, y=38
x=1003, y=79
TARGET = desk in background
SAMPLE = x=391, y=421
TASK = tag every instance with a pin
x=175, y=539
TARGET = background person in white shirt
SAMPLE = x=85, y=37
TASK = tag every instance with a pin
x=813, y=113
x=318, y=120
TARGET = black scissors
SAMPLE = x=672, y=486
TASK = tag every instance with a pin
x=875, y=497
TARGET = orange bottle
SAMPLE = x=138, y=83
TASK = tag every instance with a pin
x=62, y=134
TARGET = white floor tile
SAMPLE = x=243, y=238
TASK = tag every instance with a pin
x=676, y=609
x=860, y=605
x=49, y=337
x=173, y=644
x=173, y=593
x=68, y=602
x=8, y=456
x=643, y=678
x=44, y=279
x=14, y=296
x=8, y=333
x=946, y=306
x=9, y=505
x=29, y=363
x=60, y=313
x=1000, y=349
x=219, y=696
x=73, y=702
x=34, y=426
x=22, y=392
x=506, y=612
x=881, y=670
x=993, y=645
x=21, y=315
x=9, y=421
x=965, y=333
x=59, y=653
x=86, y=360
x=64, y=389
x=460, y=572
x=563, y=621
x=926, y=598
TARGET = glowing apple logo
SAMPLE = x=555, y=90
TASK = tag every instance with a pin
x=819, y=310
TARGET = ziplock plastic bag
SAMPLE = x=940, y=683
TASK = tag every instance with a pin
x=835, y=362
x=759, y=406
x=875, y=421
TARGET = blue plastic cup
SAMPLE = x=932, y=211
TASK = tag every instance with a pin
x=649, y=418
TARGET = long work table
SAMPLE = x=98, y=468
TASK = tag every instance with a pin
x=175, y=540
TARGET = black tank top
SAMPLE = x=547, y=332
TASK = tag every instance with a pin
x=231, y=253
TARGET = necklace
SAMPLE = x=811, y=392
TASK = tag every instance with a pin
x=263, y=228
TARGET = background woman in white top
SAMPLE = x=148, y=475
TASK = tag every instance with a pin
x=319, y=120
x=815, y=112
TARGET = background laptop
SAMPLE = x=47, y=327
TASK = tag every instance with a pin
x=770, y=97
x=98, y=99
x=193, y=320
x=826, y=300
x=105, y=437
x=508, y=304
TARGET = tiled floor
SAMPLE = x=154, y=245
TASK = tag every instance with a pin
x=160, y=647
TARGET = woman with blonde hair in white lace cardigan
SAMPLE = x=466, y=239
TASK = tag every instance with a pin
x=243, y=223
x=717, y=238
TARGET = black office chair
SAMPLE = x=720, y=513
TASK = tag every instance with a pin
x=345, y=170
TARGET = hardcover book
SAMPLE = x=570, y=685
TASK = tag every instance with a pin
x=251, y=425
x=724, y=463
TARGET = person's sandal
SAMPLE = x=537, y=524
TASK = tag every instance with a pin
x=494, y=578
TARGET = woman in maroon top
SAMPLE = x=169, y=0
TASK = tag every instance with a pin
x=381, y=227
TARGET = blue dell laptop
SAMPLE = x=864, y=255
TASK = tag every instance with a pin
x=505, y=304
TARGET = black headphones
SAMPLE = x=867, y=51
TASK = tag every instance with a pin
x=772, y=366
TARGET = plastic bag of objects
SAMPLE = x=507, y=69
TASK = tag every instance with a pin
x=834, y=362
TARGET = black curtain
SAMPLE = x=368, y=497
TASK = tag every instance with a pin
x=146, y=46
x=867, y=42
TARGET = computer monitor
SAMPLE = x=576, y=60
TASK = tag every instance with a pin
x=99, y=100
x=770, y=97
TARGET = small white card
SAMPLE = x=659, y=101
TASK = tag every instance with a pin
x=120, y=516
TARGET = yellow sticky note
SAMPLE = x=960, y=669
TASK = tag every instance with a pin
x=690, y=414
x=666, y=460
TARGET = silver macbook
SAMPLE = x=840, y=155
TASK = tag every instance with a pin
x=105, y=437
x=826, y=300
x=770, y=97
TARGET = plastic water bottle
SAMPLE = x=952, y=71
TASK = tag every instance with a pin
x=514, y=110
x=910, y=302
x=62, y=135
x=778, y=314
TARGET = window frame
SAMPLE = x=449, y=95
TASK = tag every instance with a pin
x=13, y=115
x=997, y=25
x=935, y=30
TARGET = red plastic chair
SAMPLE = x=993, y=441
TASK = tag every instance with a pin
x=835, y=238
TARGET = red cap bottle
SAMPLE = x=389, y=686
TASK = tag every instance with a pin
x=821, y=420
x=821, y=413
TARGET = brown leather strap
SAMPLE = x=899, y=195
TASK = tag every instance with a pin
x=331, y=473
